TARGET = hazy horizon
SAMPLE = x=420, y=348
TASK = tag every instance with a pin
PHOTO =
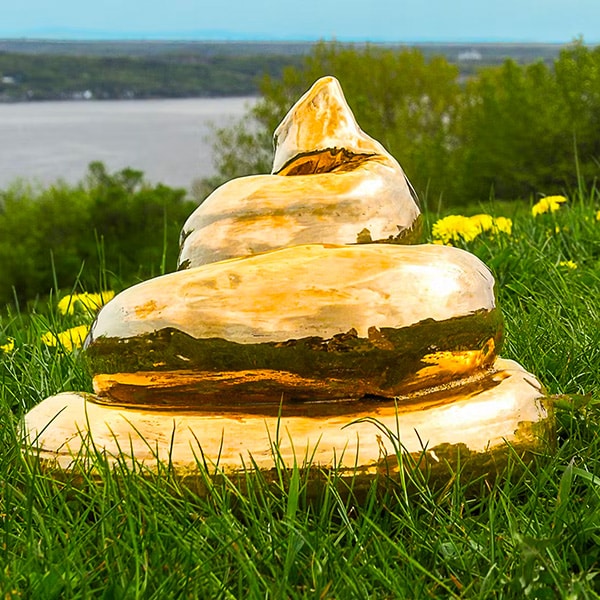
x=407, y=21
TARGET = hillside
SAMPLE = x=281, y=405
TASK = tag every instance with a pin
x=62, y=70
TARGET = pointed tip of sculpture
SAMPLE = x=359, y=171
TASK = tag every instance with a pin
x=321, y=120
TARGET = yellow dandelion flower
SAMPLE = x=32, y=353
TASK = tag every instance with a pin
x=547, y=204
x=569, y=264
x=598, y=216
x=502, y=225
x=70, y=339
x=492, y=224
x=9, y=346
x=90, y=302
x=454, y=228
x=96, y=301
x=67, y=304
x=483, y=221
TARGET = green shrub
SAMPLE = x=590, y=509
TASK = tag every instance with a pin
x=116, y=220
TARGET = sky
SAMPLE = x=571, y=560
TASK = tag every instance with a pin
x=342, y=20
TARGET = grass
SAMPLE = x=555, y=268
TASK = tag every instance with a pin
x=533, y=532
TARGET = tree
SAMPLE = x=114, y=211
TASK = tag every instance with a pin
x=523, y=126
x=577, y=72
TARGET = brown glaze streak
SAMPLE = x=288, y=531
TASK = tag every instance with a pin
x=324, y=161
x=272, y=393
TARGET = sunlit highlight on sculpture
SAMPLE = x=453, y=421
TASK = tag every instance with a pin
x=302, y=312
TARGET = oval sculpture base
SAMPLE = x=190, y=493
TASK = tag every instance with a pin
x=71, y=427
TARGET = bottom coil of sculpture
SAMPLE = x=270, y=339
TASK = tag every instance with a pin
x=505, y=409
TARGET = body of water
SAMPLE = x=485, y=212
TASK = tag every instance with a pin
x=167, y=139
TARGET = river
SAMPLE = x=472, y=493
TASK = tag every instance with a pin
x=169, y=140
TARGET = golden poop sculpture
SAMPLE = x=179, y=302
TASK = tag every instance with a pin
x=301, y=315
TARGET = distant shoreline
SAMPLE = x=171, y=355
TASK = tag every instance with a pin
x=124, y=100
x=134, y=46
x=74, y=70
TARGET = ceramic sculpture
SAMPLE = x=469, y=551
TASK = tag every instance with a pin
x=305, y=314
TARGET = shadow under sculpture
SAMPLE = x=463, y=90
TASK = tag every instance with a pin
x=303, y=313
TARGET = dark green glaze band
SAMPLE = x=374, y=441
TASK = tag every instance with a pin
x=384, y=363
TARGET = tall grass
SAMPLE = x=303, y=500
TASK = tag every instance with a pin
x=534, y=532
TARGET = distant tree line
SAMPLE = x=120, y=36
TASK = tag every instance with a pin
x=56, y=77
x=70, y=69
x=510, y=130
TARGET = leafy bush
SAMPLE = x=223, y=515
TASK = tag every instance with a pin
x=117, y=220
